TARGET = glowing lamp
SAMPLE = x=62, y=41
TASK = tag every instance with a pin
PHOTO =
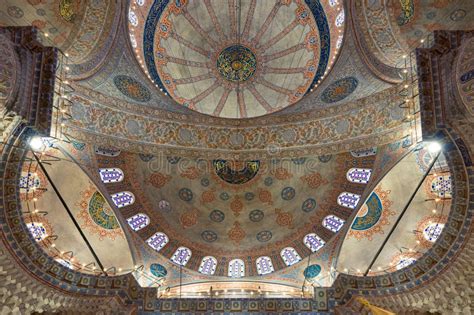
x=434, y=147
x=36, y=143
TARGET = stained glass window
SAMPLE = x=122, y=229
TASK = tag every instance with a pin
x=110, y=175
x=107, y=152
x=441, y=186
x=339, y=41
x=359, y=175
x=404, y=262
x=123, y=199
x=37, y=230
x=313, y=242
x=208, y=265
x=65, y=263
x=133, y=40
x=264, y=265
x=132, y=17
x=29, y=181
x=181, y=256
x=157, y=241
x=348, y=200
x=290, y=256
x=164, y=205
x=340, y=18
x=138, y=221
x=433, y=231
x=333, y=223
x=364, y=152
x=236, y=268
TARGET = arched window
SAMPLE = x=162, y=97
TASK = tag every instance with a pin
x=111, y=175
x=37, y=230
x=333, y=223
x=359, y=175
x=264, y=265
x=138, y=221
x=404, y=262
x=208, y=265
x=122, y=199
x=348, y=200
x=107, y=152
x=133, y=40
x=181, y=256
x=313, y=242
x=164, y=205
x=157, y=241
x=339, y=41
x=65, y=263
x=433, y=231
x=340, y=18
x=29, y=181
x=132, y=17
x=441, y=186
x=364, y=152
x=236, y=268
x=290, y=256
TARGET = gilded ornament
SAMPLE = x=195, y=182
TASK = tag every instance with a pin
x=66, y=10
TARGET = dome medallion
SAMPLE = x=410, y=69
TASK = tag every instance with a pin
x=236, y=61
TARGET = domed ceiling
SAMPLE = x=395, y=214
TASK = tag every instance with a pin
x=236, y=59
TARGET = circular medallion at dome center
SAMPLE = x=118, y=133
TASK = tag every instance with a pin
x=236, y=63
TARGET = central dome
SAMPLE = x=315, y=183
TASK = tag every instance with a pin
x=236, y=63
x=236, y=59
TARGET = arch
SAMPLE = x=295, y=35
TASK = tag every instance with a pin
x=208, y=265
x=333, y=223
x=157, y=241
x=264, y=265
x=181, y=256
x=111, y=175
x=290, y=256
x=359, y=175
x=348, y=200
x=236, y=268
x=122, y=199
x=138, y=221
x=313, y=242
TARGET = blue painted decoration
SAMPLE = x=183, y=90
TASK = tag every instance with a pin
x=158, y=270
x=312, y=271
x=374, y=212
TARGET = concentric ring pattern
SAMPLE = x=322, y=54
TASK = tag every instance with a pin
x=236, y=59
